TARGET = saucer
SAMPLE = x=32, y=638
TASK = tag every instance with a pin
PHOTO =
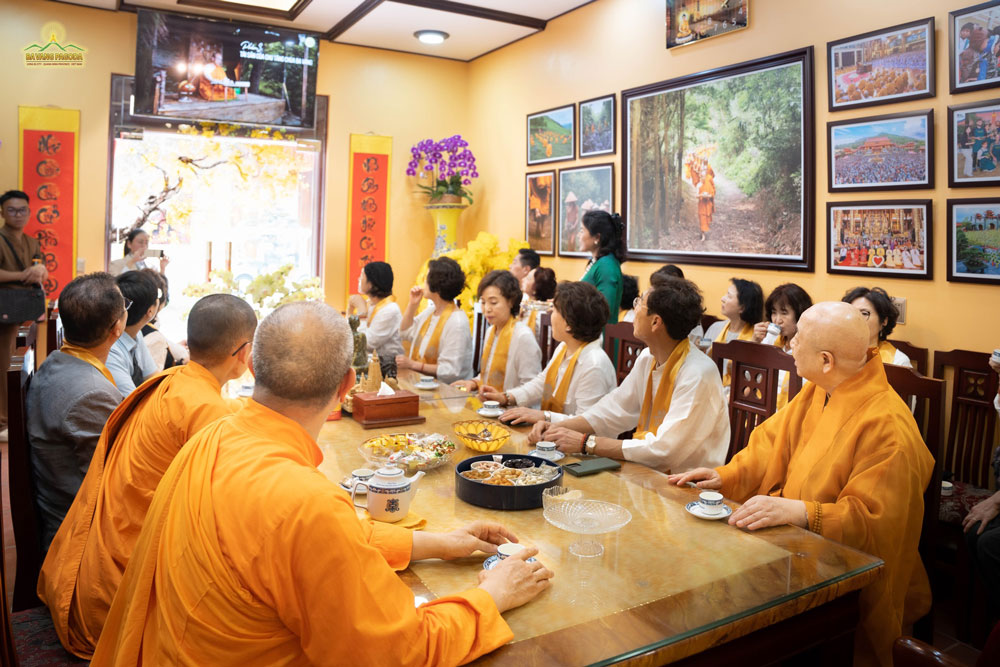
x=491, y=562
x=489, y=414
x=548, y=456
x=349, y=487
x=426, y=385
x=694, y=507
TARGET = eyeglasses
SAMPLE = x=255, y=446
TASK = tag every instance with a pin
x=128, y=304
x=636, y=302
x=237, y=350
x=21, y=210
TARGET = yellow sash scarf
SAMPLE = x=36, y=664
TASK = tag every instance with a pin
x=83, y=354
x=374, y=311
x=494, y=375
x=554, y=398
x=651, y=417
x=532, y=316
x=745, y=334
x=887, y=351
x=430, y=355
x=781, y=344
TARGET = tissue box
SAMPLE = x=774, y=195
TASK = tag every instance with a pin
x=373, y=411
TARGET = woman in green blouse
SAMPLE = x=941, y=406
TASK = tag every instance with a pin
x=602, y=235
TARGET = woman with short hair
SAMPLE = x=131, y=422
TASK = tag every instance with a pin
x=783, y=308
x=381, y=327
x=880, y=313
x=742, y=308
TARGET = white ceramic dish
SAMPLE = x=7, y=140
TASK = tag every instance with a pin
x=694, y=507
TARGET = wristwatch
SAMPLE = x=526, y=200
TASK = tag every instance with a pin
x=547, y=416
x=590, y=445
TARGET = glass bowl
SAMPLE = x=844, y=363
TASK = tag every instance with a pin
x=583, y=517
x=410, y=451
x=482, y=435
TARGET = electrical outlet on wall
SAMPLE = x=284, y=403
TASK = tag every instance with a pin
x=81, y=266
x=900, y=304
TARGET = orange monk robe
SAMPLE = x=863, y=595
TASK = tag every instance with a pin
x=251, y=556
x=85, y=563
x=706, y=201
x=860, y=463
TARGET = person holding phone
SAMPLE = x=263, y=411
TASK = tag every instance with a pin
x=136, y=253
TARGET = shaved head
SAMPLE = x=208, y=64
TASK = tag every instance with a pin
x=217, y=325
x=301, y=353
x=831, y=344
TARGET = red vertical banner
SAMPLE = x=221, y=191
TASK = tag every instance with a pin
x=368, y=201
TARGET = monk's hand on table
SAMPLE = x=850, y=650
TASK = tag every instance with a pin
x=982, y=513
x=464, y=385
x=514, y=581
x=537, y=431
x=482, y=536
x=567, y=440
x=488, y=393
x=522, y=416
x=764, y=511
x=703, y=478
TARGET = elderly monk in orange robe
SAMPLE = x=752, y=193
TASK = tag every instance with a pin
x=251, y=556
x=85, y=563
x=844, y=459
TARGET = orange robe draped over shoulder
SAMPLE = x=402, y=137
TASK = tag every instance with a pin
x=863, y=460
x=706, y=202
x=85, y=563
x=251, y=556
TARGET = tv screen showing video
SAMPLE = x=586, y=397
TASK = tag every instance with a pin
x=204, y=70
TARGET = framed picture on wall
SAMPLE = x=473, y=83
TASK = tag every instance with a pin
x=974, y=240
x=551, y=135
x=882, y=66
x=690, y=21
x=892, y=152
x=973, y=47
x=539, y=204
x=974, y=144
x=692, y=192
x=597, y=126
x=582, y=189
x=880, y=238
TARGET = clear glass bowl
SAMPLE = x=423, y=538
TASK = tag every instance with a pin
x=409, y=451
x=576, y=514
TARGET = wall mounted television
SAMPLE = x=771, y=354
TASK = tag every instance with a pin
x=199, y=69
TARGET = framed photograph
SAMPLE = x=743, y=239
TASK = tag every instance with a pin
x=974, y=144
x=892, y=152
x=539, y=204
x=718, y=167
x=551, y=136
x=881, y=67
x=691, y=21
x=974, y=240
x=880, y=238
x=973, y=47
x=582, y=189
x=597, y=126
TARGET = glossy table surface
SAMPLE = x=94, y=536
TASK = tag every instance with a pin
x=667, y=582
x=442, y=392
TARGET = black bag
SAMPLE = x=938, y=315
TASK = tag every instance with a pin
x=19, y=305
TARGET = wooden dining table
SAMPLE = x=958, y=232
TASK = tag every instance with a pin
x=669, y=587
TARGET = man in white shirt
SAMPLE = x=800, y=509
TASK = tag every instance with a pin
x=679, y=425
x=129, y=360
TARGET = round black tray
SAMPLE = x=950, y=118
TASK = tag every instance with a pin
x=502, y=497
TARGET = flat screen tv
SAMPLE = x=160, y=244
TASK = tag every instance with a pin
x=200, y=69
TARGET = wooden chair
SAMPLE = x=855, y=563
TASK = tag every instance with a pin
x=546, y=342
x=478, y=338
x=918, y=355
x=53, y=331
x=753, y=396
x=26, y=336
x=910, y=652
x=620, y=337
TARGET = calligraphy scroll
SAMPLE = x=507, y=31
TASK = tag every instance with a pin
x=367, y=204
x=49, y=150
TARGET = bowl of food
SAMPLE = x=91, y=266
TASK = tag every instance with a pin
x=410, y=451
x=482, y=435
x=505, y=487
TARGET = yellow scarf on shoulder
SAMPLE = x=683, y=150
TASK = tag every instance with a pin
x=887, y=351
x=782, y=344
x=83, y=354
x=374, y=311
x=554, y=398
x=655, y=409
x=430, y=355
x=494, y=375
x=746, y=333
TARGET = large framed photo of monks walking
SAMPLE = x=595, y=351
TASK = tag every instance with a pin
x=582, y=189
x=892, y=152
x=718, y=167
x=974, y=47
x=880, y=238
x=882, y=67
x=974, y=144
x=974, y=240
x=539, y=205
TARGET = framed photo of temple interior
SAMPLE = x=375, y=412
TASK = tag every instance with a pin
x=974, y=240
x=691, y=21
x=881, y=67
x=539, y=206
x=974, y=144
x=596, y=123
x=974, y=47
x=891, y=152
x=551, y=135
x=582, y=189
x=880, y=238
x=718, y=167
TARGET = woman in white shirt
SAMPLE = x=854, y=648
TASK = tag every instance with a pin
x=510, y=351
x=783, y=308
x=580, y=372
x=136, y=253
x=441, y=338
x=880, y=312
x=384, y=316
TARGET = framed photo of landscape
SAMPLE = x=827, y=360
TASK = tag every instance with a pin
x=891, y=152
x=692, y=192
x=974, y=144
x=880, y=238
x=882, y=66
x=596, y=125
x=974, y=240
x=551, y=136
x=539, y=206
x=693, y=21
x=972, y=47
x=582, y=189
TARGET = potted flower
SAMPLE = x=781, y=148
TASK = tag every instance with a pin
x=449, y=164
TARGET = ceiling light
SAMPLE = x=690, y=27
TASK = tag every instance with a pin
x=431, y=36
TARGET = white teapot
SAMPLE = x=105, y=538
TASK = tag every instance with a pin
x=389, y=494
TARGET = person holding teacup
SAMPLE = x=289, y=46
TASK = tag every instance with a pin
x=782, y=310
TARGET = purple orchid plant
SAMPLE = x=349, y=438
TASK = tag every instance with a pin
x=449, y=162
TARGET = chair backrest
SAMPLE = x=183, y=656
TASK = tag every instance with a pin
x=26, y=336
x=973, y=418
x=919, y=356
x=479, y=327
x=620, y=337
x=53, y=331
x=8, y=654
x=22, y=493
x=546, y=342
x=753, y=396
x=707, y=321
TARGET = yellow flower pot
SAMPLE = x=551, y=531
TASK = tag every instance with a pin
x=445, y=217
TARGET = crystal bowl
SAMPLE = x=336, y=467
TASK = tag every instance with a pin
x=585, y=517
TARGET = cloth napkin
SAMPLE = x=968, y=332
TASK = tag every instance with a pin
x=412, y=521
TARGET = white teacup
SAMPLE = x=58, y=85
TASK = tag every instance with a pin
x=362, y=474
x=509, y=549
x=545, y=446
x=773, y=329
x=947, y=488
x=710, y=502
x=491, y=406
x=425, y=379
x=996, y=356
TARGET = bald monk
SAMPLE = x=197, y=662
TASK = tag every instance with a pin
x=844, y=459
x=251, y=556
x=85, y=563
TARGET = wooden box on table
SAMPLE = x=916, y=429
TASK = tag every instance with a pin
x=374, y=411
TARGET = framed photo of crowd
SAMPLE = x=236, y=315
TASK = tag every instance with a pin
x=974, y=47
x=596, y=125
x=582, y=189
x=974, y=240
x=974, y=144
x=551, y=135
x=891, y=152
x=882, y=66
x=539, y=205
x=880, y=238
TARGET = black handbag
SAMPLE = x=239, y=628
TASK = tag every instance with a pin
x=19, y=305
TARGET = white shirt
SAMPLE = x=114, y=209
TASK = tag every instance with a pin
x=524, y=358
x=593, y=379
x=121, y=361
x=731, y=335
x=383, y=331
x=695, y=431
x=455, y=348
x=900, y=359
